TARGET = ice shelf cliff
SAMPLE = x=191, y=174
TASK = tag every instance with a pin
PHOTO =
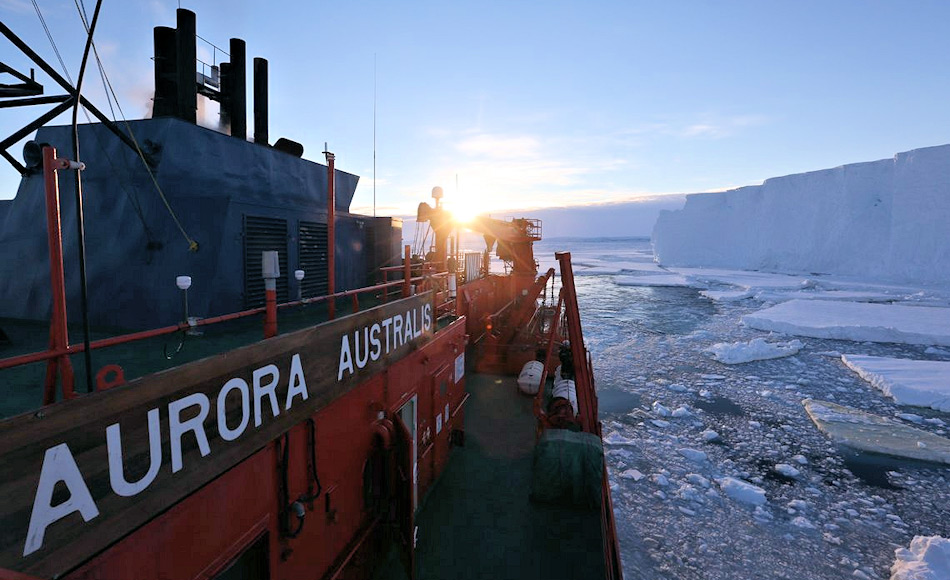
x=885, y=220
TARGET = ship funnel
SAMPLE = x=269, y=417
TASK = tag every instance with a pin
x=260, y=100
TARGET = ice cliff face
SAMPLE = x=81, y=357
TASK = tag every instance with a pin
x=884, y=220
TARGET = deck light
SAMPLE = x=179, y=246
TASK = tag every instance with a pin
x=184, y=283
x=298, y=274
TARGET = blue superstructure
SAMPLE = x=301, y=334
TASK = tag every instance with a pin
x=232, y=196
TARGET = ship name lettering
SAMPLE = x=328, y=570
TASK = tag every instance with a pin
x=363, y=345
x=59, y=464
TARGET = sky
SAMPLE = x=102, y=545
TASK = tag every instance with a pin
x=516, y=104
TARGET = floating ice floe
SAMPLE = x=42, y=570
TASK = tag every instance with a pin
x=927, y=559
x=856, y=321
x=742, y=491
x=922, y=383
x=755, y=349
x=669, y=280
x=867, y=432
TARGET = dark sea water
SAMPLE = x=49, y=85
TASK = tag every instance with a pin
x=841, y=516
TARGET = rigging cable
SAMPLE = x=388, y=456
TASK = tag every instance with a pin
x=107, y=89
x=192, y=244
x=84, y=296
x=59, y=57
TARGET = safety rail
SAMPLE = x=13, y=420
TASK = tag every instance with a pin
x=135, y=336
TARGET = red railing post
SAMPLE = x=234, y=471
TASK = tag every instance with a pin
x=270, y=266
x=58, y=332
x=406, y=273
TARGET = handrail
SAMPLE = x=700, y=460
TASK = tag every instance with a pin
x=48, y=354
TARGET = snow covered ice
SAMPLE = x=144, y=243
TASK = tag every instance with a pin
x=923, y=383
x=824, y=511
x=857, y=321
x=928, y=558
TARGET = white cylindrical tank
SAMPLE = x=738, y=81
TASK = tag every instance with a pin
x=453, y=285
x=567, y=389
x=529, y=380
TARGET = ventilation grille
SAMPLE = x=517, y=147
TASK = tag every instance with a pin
x=263, y=234
x=312, y=256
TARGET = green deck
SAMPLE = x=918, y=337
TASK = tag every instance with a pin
x=477, y=521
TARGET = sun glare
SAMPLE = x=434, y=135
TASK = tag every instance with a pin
x=465, y=211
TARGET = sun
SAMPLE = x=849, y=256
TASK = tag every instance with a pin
x=465, y=211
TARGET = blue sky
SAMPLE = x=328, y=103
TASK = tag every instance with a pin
x=536, y=104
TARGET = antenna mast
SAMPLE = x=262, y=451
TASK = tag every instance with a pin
x=374, y=134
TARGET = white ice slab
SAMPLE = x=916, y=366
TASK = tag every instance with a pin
x=867, y=432
x=922, y=383
x=671, y=280
x=856, y=321
x=728, y=295
x=842, y=295
x=927, y=559
x=756, y=349
x=745, y=279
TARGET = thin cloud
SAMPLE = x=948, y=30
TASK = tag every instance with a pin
x=19, y=6
x=710, y=126
x=500, y=146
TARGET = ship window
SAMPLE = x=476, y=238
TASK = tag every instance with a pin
x=252, y=564
x=263, y=234
x=312, y=257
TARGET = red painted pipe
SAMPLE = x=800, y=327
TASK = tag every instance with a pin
x=270, y=309
x=58, y=333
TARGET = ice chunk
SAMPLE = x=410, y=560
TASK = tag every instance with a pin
x=912, y=417
x=927, y=559
x=877, y=434
x=856, y=321
x=755, y=349
x=787, y=470
x=803, y=522
x=693, y=454
x=710, y=435
x=697, y=479
x=922, y=383
x=742, y=491
x=614, y=438
x=632, y=474
x=660, y=410
x=681, y=412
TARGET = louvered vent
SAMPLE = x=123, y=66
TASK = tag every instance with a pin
x=312, y=254
x=263, y=234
